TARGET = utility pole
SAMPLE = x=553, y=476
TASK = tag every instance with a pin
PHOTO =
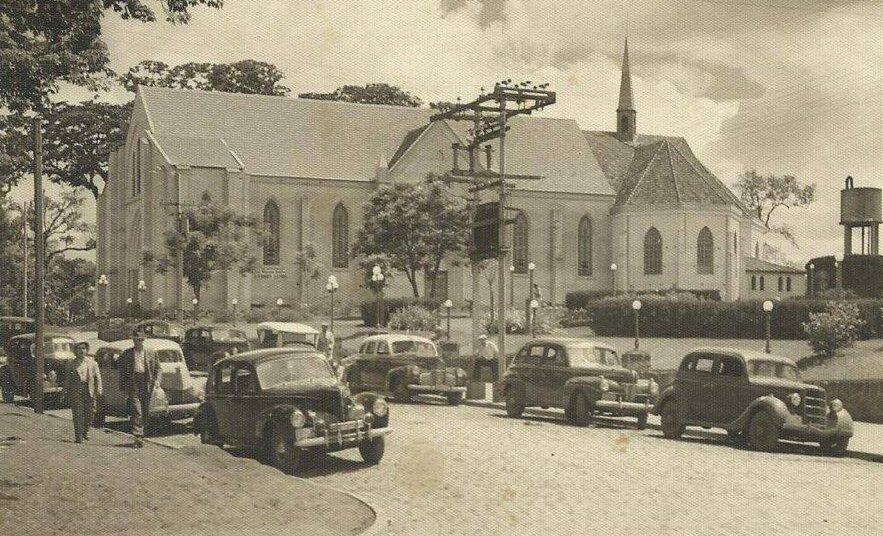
x=25, y=254
x=37, y=391
x=489, y=113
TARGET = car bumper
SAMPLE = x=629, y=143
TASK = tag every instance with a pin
x=622, y=408
x=443, y=389
x=838, y=426
x=342, y=438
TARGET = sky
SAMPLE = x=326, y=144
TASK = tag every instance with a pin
x=780, y=86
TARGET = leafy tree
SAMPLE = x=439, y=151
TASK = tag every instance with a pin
x=245, y=76
x=215, y=238
x=378, y=93
x=10, y=258
x=69, y=290
x=65, y=229
x=415, y=226
x=765, y=193
x=835, y=328
x=311, y=269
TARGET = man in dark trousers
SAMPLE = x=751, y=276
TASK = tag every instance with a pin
x=139, y=374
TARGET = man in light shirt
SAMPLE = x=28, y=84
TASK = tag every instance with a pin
x=139, y=374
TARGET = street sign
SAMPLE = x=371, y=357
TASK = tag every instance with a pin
x=486, y=232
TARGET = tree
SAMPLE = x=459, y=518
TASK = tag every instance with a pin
x=311, y=269
x=69, y=290
x=43, y=44
x=215, y=238
x=378, y=93
x=245, y=76
x=415, y=226
x=10, y=258
x=765, y=193
x=65, y=229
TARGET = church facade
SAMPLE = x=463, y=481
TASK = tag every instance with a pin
x=614, y=211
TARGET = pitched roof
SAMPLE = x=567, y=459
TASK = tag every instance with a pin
x=753, y=264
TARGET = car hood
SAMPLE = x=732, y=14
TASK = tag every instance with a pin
x=307, y=388
x=328, y=396
x=780, y=383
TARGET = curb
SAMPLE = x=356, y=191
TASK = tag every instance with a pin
x=107, y=430
x=533, y=411
x=374, y=529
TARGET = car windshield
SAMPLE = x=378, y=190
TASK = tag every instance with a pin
x=296, y=338
x=421, y=348
x=295, y=368
x=774, y=369
x=588, y=356
x=227, y=335
x=169, y=356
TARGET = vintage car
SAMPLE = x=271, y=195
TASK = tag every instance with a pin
x=115, y=329
x=204, y=344
x=278, y=334
x=754, y=396
x=582, y=376
x=403, y=366
x=160, y=329
x=10, y=326
x=286, y=402
x=18, y=372
x=178, y=396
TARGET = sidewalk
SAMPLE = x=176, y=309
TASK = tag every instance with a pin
x=50, y=485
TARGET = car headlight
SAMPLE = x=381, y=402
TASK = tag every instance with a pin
x=379, y=407
x=836, y=405
x=604, y=385
x=654, y=387
x=298, y=420
x=794, y=399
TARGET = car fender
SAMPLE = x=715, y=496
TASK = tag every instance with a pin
x=513, y=382
x=367, y=399
x=279, y=412
x=590, y=386
x=665, y=396
x=769, y=403
x=843, y=422
x=408, y=372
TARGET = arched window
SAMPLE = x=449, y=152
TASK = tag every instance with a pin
x=519, y=244
x=271, y=229
x=584, y=246
x=756, y=250
x=652, y=252
x=735, y=243
x=340, y=237
x=781, y=283
x=754, y=282
x=788, y=284
x=705, y=252
x=761, y=283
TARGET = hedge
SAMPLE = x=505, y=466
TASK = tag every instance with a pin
x=581, y=299
x=368, y=309
x=662, y=317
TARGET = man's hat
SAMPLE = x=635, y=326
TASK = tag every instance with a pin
x=81, y=344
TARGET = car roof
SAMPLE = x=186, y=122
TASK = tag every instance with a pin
x=746, y=355
x=214, y=326
x=16, y=319
x=574, y=342
x=152, y=343
x=157, y=321
x=288, y=327
x=30, y=336
x=268, y=354
x=395, y=337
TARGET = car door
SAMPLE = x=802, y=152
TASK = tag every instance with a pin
x=222, y=399
x=557, y=373
x=534, y=374
x=109, y=366
x=379, y=365
x=244, y=406
x=729, y=394
x=696, y=381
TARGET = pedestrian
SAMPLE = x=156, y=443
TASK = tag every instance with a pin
x=82, y=387
x=487, y=349
x=139, y=374
x=326, y=342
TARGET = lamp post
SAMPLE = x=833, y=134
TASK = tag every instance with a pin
x=810, y=283
x=528, y=313
x=235, y=303
x=448, y=304
x=331, y=286
x=534, y=304
x=195, y=303
x=279, y=302
x=103, y=285
x=129, y=307
x=613, y=268
x=377, y=280
x=767, y=309
x=636, y=307
x=511, y=285
x=142, y=288
x=159, y=302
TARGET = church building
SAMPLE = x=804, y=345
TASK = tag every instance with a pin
x=614, y=210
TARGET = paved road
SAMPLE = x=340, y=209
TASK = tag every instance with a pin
x=471, y=470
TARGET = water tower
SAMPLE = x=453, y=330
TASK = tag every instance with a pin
x=861, y=208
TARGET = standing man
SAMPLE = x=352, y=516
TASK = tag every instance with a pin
x=487, y=349
x=82, y=387
x=326, y=342
x=139, y=374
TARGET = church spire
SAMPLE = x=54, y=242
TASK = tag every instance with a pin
x=625, y=112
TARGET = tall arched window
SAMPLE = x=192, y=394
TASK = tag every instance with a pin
x=705, y=252
x=340, y=237
x=754, y=282
x=271, y=229
x=584, y=246
x=761, y=283
x=735, y=243
x=781, y=283
x=519, y=244
x=652, y=252
x=756, y=250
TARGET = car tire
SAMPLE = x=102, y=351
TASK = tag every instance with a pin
x=372, y=450
x=672, y=427
x=736, y=436
x=836, y=447
x=642, y=421
x=208, y=431
x=400, y=392
x=8, y=390
x=580, y=410
x=454, y=399
x=763, y=432
x=281, y=450
x=514, y=402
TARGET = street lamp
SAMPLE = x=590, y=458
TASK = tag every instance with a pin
x=195, y=303
x=768, y=309
x=235, y=303
x=613, y=268
x=448, y=304
x=811, y=282
x=527, y=314
x=142, y=288
x=159, y=302
x=636, y=307
x=377, y=280
x=331, y=286
x=129, y=306
x=279, y=302
x=534, y=304
x=103, y=285
x=511, y=285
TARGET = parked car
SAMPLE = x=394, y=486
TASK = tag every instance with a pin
x=17, y=374
x=278, y=334
x=160, y=329
x=178, y=396
x=10, y=326
x=115, y=329
x=403, y=366
x=754, y=396
x=285, y=402
x=204, y=344
x=583, y=376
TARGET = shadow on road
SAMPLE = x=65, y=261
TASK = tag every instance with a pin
x=597, y=422
x=315, y=464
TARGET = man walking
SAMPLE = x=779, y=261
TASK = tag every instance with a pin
x=82, y=387
x=139, y=374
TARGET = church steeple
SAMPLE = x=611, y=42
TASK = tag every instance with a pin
x=625, y=112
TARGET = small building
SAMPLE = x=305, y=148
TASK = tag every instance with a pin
x=764, y=280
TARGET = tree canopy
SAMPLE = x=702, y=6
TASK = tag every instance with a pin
x=377, y=93
x=764, y=194
x=245, y=76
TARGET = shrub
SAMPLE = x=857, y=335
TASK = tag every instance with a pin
x=414, y=318
x=547, y=319
x=582, y=299
x=278, y=314
x=833, y=329
x=514, y=322
x=389, y=306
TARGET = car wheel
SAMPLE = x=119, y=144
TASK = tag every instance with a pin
x=580, y=410
x=400, y=392
x=642, y=421
x=208, y=431
x=372, y=450
x=454, y=399
x=763, y=433
x=672, y=427
x=8, y=392
x=835, y=447
x=514, y=402
x=736, y=436
x=282, y=452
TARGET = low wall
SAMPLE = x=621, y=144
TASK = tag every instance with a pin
x=862, y=398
